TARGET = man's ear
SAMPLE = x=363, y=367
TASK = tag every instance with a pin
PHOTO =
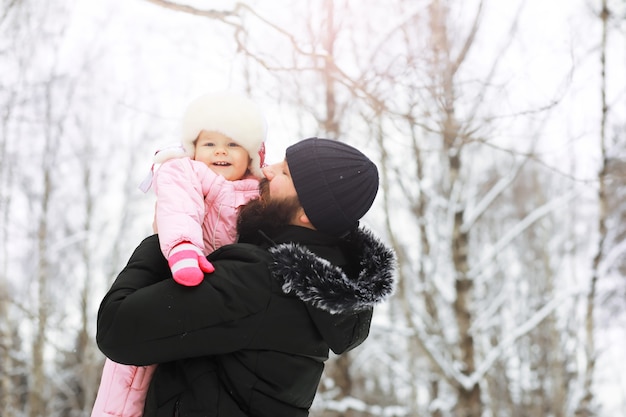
x=303, y=219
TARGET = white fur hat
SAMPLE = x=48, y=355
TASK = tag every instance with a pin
x=231, y=114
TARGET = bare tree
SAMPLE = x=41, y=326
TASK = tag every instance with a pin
x=587, y=406
x=7, y=326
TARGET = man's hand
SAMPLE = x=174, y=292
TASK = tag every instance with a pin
x=188, y=264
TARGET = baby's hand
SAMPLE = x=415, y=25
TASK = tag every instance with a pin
x=188, y=264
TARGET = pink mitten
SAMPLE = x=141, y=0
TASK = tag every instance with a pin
x=188, y=264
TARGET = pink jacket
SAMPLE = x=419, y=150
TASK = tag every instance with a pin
x=197, y=205
x=122, y=390
x=193, y=204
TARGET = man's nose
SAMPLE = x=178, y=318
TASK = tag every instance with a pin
x=268, y=171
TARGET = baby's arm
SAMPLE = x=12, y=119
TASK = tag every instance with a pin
x=179, y=216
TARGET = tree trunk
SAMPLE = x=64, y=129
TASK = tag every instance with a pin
x=585, y=407
x=37, y=391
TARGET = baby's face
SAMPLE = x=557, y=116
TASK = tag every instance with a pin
x=222, y=154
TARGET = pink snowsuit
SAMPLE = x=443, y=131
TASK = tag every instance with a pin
x=196, y=205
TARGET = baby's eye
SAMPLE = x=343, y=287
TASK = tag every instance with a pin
x=233, y=145
x=208, y=144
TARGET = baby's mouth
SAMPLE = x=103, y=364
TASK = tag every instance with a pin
x=221, y=164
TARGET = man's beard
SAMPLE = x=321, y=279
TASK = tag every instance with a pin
x=266, y=214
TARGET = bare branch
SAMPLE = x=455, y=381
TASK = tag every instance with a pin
x=521, y=330
x=491, y=196
x=468, y=41
x=519, y=228
x=211, y=14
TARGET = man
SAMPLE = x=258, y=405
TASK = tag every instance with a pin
x=252, y=338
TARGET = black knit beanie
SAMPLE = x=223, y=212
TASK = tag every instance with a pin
x=336, y=183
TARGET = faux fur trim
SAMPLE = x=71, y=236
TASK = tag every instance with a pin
x=316, y=281
x=170, y=152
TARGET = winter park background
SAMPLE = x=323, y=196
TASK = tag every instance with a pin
x=499, y=128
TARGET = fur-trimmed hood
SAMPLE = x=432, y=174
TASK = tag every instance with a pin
x=325, y=286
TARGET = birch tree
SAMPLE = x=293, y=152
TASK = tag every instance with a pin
x=610, y=246
x=8, y=358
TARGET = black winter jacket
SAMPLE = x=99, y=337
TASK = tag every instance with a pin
x=252, y=338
